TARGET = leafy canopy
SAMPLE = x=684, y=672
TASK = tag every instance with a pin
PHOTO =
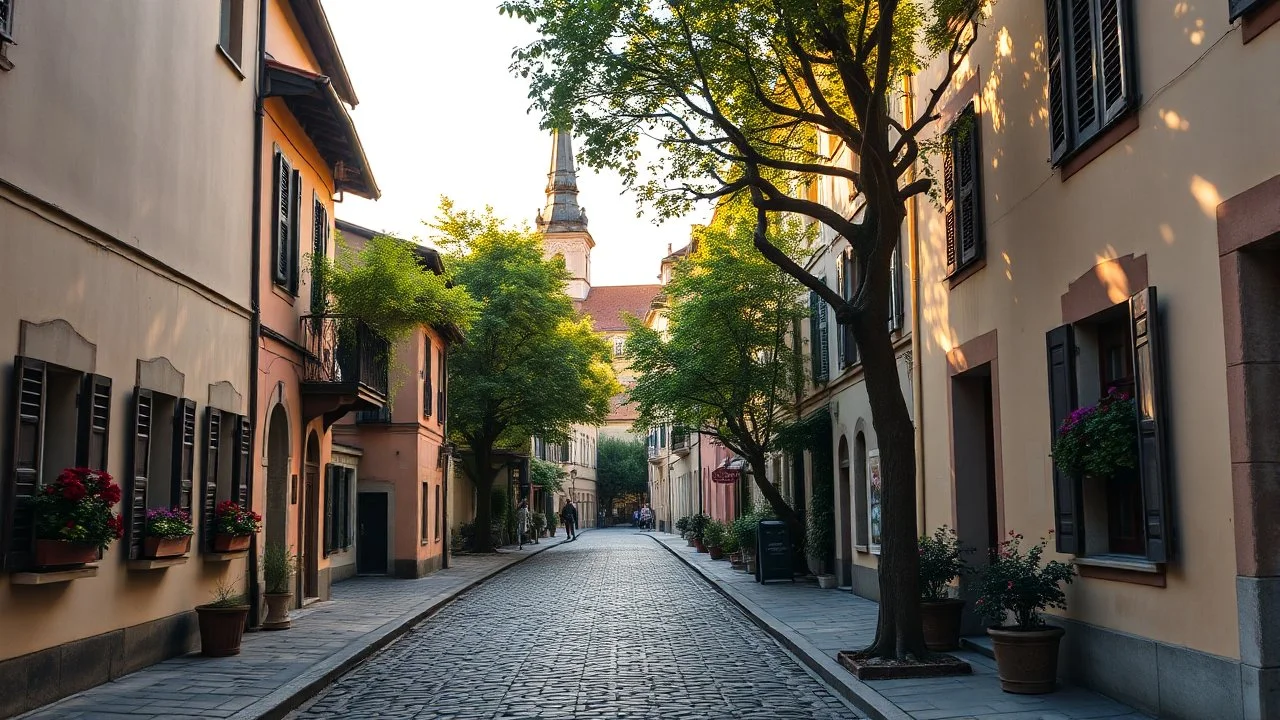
x=622, y=468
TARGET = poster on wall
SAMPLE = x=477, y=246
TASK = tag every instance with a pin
x=874, y=485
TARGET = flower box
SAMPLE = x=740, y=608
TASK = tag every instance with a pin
x=55, y=553
x=155, y=547
x=223, y=542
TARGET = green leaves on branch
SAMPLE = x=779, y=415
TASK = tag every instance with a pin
x=546, y=475
x=622, y=468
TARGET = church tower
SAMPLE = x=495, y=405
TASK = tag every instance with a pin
x=562, y=223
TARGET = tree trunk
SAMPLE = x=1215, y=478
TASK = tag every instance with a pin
x=784, y=511
x=483, y=476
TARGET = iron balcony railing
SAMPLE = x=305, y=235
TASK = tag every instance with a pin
x=345, y=350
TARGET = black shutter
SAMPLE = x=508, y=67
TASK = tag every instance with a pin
x=824, y=339
x=328, y=508
x=281, y=232
x=1240, y=7
x=209, y=478
x=949, y=200
x=897, y=301
x=348, y=490
x=29, y=391
x=1086, y=115
x=851, y=280
x=136, y=498
x=319, y=251
x=1054, y=36
x=839, y=327
x=94, y=422
x=428, y=392
x=815, y=336
x=184, y=453
x=1068, y=512
x=1115, y=36
x=968, y=164
x=295, y=231
x=1153, y=459
x=444, y=383
x=243, y=467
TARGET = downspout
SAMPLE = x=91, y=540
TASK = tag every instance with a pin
x=917, y=383
x=255, y=323
x=447, y=459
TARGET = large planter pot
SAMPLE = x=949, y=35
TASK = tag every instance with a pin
x=53, y=553
x=700, y=546
x=278, y=611
x=716, y=552
x=1027, y=660
x=826, y=582
x=154, y=547
x=221, y=629
x=751, y=566
x=690, y=542
x=230, y=543
x=941, y=620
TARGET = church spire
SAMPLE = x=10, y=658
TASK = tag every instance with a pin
x=562, y=213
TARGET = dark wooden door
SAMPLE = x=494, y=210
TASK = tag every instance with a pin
x=311, y=528
x=371, y=542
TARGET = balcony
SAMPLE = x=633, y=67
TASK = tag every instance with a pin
x=681, y=442
x=345, y=368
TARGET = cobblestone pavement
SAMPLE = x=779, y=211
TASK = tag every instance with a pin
x=610, y=626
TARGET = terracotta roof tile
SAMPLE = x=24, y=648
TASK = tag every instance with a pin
x=607, y=304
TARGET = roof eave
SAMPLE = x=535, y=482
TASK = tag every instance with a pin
x=319, y=34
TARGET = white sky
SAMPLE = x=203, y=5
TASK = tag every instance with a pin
x=441, y=114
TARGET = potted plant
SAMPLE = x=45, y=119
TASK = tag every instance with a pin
x=712, y=536
x=233, y=526
x=552, y=519
x=729, y=545
x=168, y=533
x=73, y=518
x=278, y=564
x=745, y=529
x=698, y=528
x=222, y=622
x=1100, y=440
x=539, y=523
x=683, y=525
x=941, y=562
x=1017, y=583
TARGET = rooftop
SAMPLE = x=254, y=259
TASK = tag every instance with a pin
x=607, y=304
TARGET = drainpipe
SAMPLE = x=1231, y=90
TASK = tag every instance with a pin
x=255, y=323
x=917, y=383
x=448, y=465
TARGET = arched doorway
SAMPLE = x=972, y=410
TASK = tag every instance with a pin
x=846, y=515
x=278, y=477
x=860, y=492
x=309, y=521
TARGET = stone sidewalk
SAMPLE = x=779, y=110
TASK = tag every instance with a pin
x=276, y=672
x=816, y=624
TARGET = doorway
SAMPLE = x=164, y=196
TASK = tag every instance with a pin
x=309, y=522
x=278, y=478
x=371, y=544
x=845, y=508
x=976, y=493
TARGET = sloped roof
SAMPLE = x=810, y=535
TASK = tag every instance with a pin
x=620, y=410
x=606, y=304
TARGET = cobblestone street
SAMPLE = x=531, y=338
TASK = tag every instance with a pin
x=610, y=626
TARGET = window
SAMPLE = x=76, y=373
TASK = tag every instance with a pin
x=818, y=337
x=897, y=298
x=161, y=461
x=425, y=518
x=1089, y=46
x=619, y=346
x=428, y=393
x=962, y=192
x=875, y=487
x=225, y=475
x=339, y=480
x=287, y=198
x=63, y=420
x=1123, y=515
x=319, y=251
x=846, y=282
x=6, y=21
x=1238, y=8
x=439, y=515
x=230, y=29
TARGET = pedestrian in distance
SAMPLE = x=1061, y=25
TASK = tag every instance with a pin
x=523, y=516
x=646, y=517
x=569, y=518
x=635, y=518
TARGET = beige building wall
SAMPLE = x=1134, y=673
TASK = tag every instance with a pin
x=1204, y=131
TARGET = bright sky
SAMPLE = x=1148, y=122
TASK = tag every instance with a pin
x=441, y=114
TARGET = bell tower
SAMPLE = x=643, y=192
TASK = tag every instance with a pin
x=563, y=223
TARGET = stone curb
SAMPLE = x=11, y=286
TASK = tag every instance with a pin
x=852, y=689
x=290, y=696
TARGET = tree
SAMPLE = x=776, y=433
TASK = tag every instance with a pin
x=529, y=364
x=726, y=365
x=622, y=468
x=733, y=92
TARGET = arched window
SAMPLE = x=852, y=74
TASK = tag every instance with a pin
x=619, y=346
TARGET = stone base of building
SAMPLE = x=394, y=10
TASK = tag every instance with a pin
x=866, y=582
x=39, y=678
x=342, y=572
x=411, y=569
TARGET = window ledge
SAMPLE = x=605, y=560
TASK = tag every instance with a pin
x=1094, y=147
x=225, y=556
x=53, y=576
x=1253, y=24
x=284, y=294
x=158, y=563
x=1120, y=562
x=235, y=66
x=966, y=272
x=1122, y=568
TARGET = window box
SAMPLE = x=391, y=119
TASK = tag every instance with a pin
x=54, y=576
x=155, y=547
x=225, y=556
x=223, y=543
x=157, y=563
x=57, y=553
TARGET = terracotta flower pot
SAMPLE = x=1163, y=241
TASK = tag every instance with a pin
x=700, y=546
x=1027, y=660
x=53, y=553
x=716, y=552
x=221, y=629
x=941, y=620
x=154, y=547
x=230, y=543
x=277, y=611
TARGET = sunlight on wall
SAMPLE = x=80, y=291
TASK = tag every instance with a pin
x=1196, y=36
x=1004, y=43
x=1174, y=121
x=1181, y=9
x=1008, y=265
x=1112, y=276
x=1206, y=193
x=935, y=303
x=1166, y=233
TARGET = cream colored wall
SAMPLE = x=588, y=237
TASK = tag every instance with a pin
x=1206, y=132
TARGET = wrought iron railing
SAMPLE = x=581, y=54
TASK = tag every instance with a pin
x=343, y=349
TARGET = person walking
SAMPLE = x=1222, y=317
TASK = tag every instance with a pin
x=569, y=518
x=646, y=517
x=523, y=516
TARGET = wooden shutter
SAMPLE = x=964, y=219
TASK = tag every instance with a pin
x=1086, y=115
x=840, y=328
x=1237, y=7
x=136, y=497
x=815, y=336
x=897, y=301
x=243, y=467
x=348, y=490
x=949, y=200
x=30, y=388
x=1114, y=36
x=94, y=422
x=428, y=391
x=209, y=478
x=1153, y=459
x=295, y=230
x=968, y=166
x=184, y=453
x=1054, y=36
x=1068, y=516
x=328, y=508
x=824, y=338
x=281, y=230
x=319, y=251
x=850, y=287
x=441, y=391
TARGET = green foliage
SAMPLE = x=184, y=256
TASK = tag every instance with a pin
x=813, y=435
x=1015, y=582
x=278, y=564
x=386, y=285
x=713, y=533
x=622, y=468
x=698, y=526
x=941, y=561
x=729, y=543
x=225, y=595
x=538, y=521
x=76, y=507
x=553, y=520
x=683, y=525
x=546, y=475
x=745, y=527
x=1099, y=440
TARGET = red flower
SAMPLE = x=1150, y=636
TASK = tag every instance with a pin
x=71, y=524
x=110, y=493
x=116, y=525
x=1010, y=585
x=73, y=491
